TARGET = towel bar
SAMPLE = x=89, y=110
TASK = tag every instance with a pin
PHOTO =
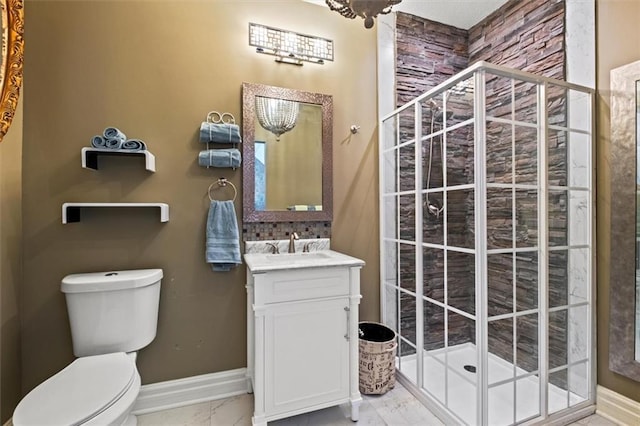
x=222, y=182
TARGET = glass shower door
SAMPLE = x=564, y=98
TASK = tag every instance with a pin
x=486, y=263
x=398, y=214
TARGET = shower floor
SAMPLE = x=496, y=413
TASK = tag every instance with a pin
x=460, y=395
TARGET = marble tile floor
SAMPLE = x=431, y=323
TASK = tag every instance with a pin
x=395, y=408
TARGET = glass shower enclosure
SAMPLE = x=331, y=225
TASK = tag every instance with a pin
x=487, y=244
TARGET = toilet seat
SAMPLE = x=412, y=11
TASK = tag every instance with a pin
x=79, y=392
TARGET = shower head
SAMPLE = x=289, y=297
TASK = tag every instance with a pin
x=436, y=112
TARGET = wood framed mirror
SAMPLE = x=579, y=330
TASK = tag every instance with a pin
x=624, y=312
x=287, y=155
x=11, y=61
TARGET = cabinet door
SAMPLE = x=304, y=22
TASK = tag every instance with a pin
x=306, y=354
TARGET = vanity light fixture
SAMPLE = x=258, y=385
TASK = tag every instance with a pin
x=290, y=47
x=366, y=9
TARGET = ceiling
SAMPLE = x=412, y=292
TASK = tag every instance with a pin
x=458, y=13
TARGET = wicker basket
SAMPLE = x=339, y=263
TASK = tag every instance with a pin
x=377, y=346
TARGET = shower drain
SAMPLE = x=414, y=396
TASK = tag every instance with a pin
x=470, y=368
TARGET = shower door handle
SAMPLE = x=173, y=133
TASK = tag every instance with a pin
x=348, y=311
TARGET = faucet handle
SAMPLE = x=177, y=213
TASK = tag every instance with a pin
x=307, y=246
x=274, y=249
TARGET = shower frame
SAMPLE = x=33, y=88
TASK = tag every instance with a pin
x=390, y=262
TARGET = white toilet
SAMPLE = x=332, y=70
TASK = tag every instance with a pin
x=112, y=315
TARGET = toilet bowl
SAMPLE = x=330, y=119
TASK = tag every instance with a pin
x=93, y=390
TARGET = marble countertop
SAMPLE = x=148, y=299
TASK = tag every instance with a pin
x=266, y=262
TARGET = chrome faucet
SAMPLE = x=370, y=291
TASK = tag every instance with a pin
x=292, y=244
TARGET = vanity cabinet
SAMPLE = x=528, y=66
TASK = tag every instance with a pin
x=302, y=339
x=306, y=355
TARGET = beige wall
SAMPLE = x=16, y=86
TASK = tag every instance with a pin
x=10, y=265
x=154, y=69
x=618, y=43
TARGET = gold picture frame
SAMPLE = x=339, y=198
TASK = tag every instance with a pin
x=12, y=51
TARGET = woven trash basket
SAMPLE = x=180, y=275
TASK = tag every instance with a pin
x=377, y=346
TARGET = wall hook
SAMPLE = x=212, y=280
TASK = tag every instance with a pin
x=354, y=129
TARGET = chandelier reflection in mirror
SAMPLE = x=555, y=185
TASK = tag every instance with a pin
x=366, y=9
x=277, y=115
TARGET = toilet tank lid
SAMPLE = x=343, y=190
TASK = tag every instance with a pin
x=109, y=281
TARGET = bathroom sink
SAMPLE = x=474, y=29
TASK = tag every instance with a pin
x=299, y=257
x=263, y=262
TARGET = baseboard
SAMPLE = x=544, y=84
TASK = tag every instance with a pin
x=190, y=390
x=616, y=407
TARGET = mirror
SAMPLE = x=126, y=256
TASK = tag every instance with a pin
x=624, y=321
x=287, y=154
x=12, y=57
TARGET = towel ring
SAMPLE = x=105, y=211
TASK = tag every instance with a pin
x=222, y=182
x=224, y=118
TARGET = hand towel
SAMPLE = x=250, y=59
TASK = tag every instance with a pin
x=219, y=132
x=114, y=133
x=223, y=241
x=134, y=145
x=305, y=208
x=113, y=144
x=220, y=158
x=98, y=141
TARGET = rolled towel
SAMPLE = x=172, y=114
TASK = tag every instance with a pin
x=134, y=145
x=113, y=144
x=98, y=141
x=114, y=133
x=220, y=158
x=219, y=132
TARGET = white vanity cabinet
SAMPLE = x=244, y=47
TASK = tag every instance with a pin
x=302, y=338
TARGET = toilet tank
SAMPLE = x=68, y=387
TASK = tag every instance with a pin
x=113, y=311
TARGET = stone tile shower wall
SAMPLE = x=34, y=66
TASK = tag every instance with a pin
x=526, y=35
x=428, y=53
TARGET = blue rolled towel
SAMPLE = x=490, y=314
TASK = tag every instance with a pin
x=113, y=144
x=114, y=133
x=219, y=132
x=222, y=237
x=98, y=141
x=220, y=158
x=134, y=145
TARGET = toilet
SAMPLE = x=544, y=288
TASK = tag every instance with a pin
x=112, y=315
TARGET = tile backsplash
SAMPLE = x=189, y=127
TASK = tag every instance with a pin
x=262, y=231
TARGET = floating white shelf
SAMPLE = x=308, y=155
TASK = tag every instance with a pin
x=71, y=211
x=90, y=157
